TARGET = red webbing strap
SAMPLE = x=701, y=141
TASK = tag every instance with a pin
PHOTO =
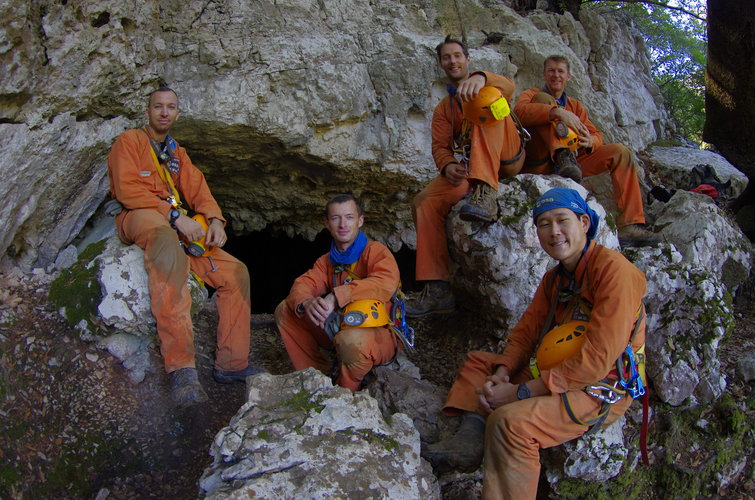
x=644, y=429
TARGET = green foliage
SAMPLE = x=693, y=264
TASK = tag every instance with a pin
x=678, y=46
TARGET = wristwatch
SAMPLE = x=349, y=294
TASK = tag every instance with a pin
x=174, y=215
x=523, y=392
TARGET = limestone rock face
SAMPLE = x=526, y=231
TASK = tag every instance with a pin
x=299, y=437
x=283, y=103
x=705, y=236
x=688, y=312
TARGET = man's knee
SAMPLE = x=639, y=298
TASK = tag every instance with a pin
x=543, y=98
x=281, y=313
x=164, y=252
x=351, y=345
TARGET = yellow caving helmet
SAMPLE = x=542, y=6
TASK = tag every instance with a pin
x=487, y=108
x=560, y=343
x=365, y=313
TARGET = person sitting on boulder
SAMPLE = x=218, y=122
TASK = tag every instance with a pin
x=558, y=368
x=357, y=273
x=566, y=142
x=470, y=157
x=153, y=177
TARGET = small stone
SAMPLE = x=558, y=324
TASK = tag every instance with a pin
x=92, y=357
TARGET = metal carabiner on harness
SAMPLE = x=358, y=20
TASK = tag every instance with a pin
x=605, y=393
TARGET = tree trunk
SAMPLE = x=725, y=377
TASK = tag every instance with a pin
x=730, y=87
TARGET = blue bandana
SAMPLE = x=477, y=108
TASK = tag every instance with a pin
x=566, y=198
x=351, y=254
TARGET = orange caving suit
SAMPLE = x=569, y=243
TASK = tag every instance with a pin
x=616, y=158
x=135, y=183
x=515, y=432
x=489, y=147
x=358, y=349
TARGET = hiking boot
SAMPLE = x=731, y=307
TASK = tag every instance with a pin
x=229, y=377
x=185, y=389
x=462, y=452
x=482, y=205
x=567, y=166
x=435, y=297
x=635, y=235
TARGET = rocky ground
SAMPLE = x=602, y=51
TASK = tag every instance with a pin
x=75, y=427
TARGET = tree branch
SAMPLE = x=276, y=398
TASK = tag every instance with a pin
x=652, y=2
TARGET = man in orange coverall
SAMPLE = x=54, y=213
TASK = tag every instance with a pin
x=354, y=269
x=539, y=109
x=149, y=175
x=468, y=157
x=524, y=414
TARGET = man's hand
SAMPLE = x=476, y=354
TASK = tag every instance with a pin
x=455, y=173
x=189, y=228
x=571, y=120
x=496, y=392
x=319, y=308
x=469, y=88
x=585, y=141
x=216, y=236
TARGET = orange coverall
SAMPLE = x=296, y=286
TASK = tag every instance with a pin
x=135, y=183
x=515, y=432
x=613, y=157
x=489, y=147
x=357, y=349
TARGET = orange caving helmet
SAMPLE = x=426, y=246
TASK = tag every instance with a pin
x=365, y=313
x=487, y=108
x=560, y=343
x=566, y=136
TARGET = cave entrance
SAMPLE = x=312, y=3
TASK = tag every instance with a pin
x=276, y=260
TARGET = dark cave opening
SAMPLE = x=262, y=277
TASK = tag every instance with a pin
x=276, y=260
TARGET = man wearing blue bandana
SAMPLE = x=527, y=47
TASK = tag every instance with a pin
x=355, y=269
x=509, y=408
x=155, y=181
x=549, y=114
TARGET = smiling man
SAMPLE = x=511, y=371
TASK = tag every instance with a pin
x=469, y=157
x=549, y=114
x=531, y=397
x=156, y=182
x=357, y=275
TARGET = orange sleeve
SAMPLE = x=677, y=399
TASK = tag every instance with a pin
x=313, y=283
x=193, y=187
x=504, y=84
x=532, y=114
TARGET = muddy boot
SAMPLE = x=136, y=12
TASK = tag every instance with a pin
x=567, y=166
x=462, y=452
x=635, y=235
x=482, y=205
x=185, y=389
x=435, y=297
